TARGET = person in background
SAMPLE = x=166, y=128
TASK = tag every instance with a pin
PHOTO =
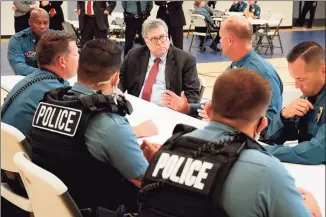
x=254, y=10
x=22, y=12
x=238, y=6
x=201, y=8
x=305, y=118
x=308, y=6
x=135, y=13
x=22, y=46
x=56, y=14
x=93, y=19
x=172, y=14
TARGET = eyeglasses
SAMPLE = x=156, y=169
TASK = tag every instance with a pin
x=154, y=40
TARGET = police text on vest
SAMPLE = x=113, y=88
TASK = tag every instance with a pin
x=168, y=166
x=63, y=120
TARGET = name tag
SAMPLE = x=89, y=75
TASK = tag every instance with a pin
x=58, y=119
x=183, y=172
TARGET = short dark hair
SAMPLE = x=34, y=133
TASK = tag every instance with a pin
x=51, y=44
x=241, y=95
x=99, y=60
x=311, y=52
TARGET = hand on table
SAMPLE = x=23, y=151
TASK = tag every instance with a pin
x=146, y=129
x=310, y=202
x=175, y=102
x=149, y=149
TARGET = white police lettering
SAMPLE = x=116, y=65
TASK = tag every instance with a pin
x=168, y=167
x=58, y=119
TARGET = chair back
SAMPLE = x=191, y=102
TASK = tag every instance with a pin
x=12, y=142
x=47, y=193
x=275, y=20
x=198, y=20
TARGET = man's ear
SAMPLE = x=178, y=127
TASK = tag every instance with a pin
x=263, y=124
x=115, y=79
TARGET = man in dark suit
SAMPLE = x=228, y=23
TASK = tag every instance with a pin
x=172, y=14
x=55, y=11
x=93, y=18
x=153, y=71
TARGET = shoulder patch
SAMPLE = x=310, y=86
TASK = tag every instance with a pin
x=57, y=119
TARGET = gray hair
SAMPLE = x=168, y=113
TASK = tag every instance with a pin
x=151, y=24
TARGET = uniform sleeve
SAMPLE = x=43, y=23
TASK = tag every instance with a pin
x=16, y=58
x=308, y=152
x=277, y=194
x=280, y=131
x=113, y=141
x=257, y=12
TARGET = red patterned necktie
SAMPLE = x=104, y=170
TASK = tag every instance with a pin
x=147, y=92
x=89, y=8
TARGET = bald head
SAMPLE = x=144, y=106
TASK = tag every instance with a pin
x=37, y=12
x=39, y=22
x=239, y=27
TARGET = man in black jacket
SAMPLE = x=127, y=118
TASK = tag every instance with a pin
x=152, y=71
x=172, y=14
x=93, y=19
x=55, y=12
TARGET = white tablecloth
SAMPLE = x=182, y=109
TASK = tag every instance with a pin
x=311, y=178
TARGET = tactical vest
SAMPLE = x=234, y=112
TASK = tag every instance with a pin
x=58, y=145
x=186, y=176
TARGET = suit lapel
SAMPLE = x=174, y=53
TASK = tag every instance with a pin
x=144, y=58
x=169, y=68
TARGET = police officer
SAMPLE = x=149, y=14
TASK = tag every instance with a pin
x=22, y=46
x=57, y=58
x=238, y=6
x=308, y=6
x=186, y=176
x=304, y=119
x=82, y=136
x=135, y=13
x=254, y=10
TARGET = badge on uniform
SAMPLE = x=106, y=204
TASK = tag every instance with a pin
x=30, y=54
x=57, y=119
x=194, y=175
x=320, y=112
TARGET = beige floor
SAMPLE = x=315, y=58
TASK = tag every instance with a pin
x=210, y=71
